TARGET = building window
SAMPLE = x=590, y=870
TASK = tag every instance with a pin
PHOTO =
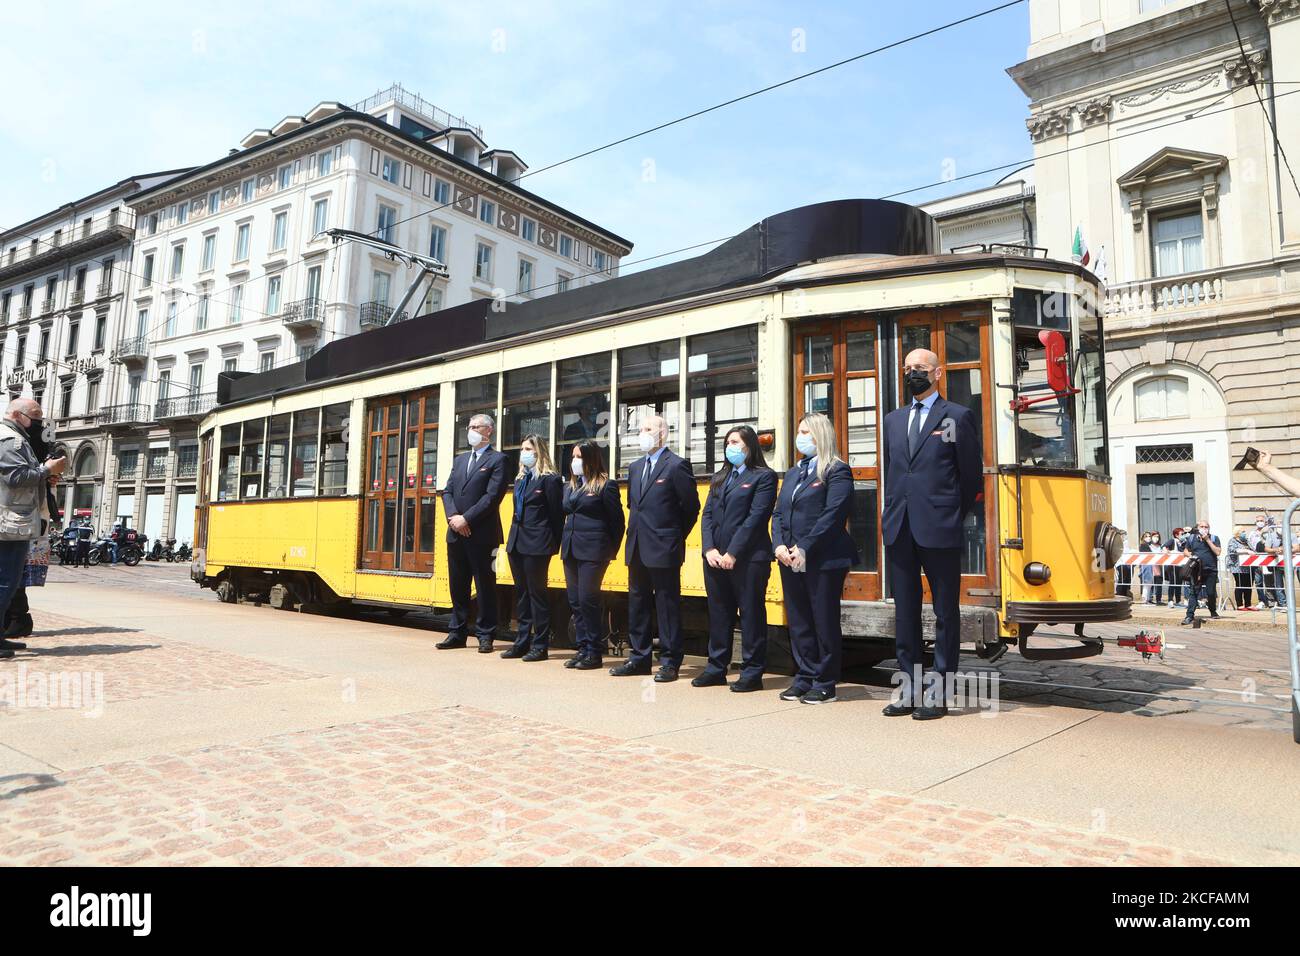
x=386, y=226
x=483, y=263
x=649, y=383
x=306, y=351
x=246, y=190
x=273, y=295
x=74, y=329
x=566, y=247
x=178, y=261
x=438, y=243
x=92, y=396
x=320, y=215
x=392, y=170
x=1177, y=240
x=170, y=328
x=442, y=192
x=142, y=323
x=379, y=284
x=581, y=404
x=209, y=252
x=187, y=461
x=201, y=313
x=279, y=231
x=236, y=304
x=487, y=211
x=432, y=301
x=101, y=332
x=1159, y=454
x=146, y=278
x=324, y=163
x=44, y=352
x=1164, y=397
x=722, y=389
x=65, y=399
x=528, y=229
x=230, y=365
x=133, y=390
x=214, y=201
x=598, y=261
x=286, y=176
x=313, y=282
x=151, y=224
x=525, y=277
x=164, y=384
x=562, y=281
x=21, y=355
x=182, y=214
x=266, y=360
x=128, y=463
x=241, y=242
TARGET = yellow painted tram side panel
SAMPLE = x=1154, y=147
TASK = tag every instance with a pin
x=323, y=536
x=1060, y=518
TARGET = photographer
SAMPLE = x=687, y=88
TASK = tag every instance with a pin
x=1205, y=548
x=1268, y=534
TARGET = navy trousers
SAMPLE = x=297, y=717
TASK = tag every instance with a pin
x=532, y=609
x=582, y=581
x=906, y=560
x=660, y=590
x=13, y=559
x=739, y=590
x=466, y=562
x=812, y=612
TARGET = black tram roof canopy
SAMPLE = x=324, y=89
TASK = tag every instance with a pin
x=844, y=227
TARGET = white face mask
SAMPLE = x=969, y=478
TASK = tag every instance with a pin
x=646, y=441
x=474, y=438
x=528, y=458
x=575, y=466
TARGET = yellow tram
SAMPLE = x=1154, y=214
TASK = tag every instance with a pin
x=319, y=481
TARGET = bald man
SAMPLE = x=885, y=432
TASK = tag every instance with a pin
x=662, y=508
x=24, y=479
x=933, y=477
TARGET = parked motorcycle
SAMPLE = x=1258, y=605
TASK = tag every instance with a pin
x=129, y=553
x=184, y=552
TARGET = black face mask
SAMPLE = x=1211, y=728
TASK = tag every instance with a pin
x=918, y=382
x=36, y=438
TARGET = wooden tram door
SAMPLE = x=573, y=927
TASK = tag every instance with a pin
x=399, y=523
x=836, y=374
x=960, y=337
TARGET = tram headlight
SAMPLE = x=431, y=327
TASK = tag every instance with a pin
x=1109, y=544
x=1037, y=573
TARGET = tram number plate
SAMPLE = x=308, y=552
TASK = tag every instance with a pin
x=298, y=551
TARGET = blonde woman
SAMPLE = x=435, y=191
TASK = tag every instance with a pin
x=593, y=530
x=815, y=552
x=534, y=539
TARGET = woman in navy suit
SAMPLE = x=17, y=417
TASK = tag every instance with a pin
x=815, y=552
x=593, y=531
x=534, y=539
x=738, y=560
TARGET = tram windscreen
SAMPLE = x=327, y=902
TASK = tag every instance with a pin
x=1090, y=379
x=1045, y=436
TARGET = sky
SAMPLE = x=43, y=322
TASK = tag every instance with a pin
x=118, y=89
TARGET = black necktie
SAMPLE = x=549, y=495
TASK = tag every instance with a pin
x=914, y=430
x=729, y=483
x=803, y=476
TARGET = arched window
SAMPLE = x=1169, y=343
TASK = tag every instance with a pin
x=87, y=462
x=1164, y=397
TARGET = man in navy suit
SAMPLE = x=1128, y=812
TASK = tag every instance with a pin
x=933, y=477
x=471, y=503
x=662, y=508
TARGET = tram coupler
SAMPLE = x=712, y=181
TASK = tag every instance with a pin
x=1148, y=645
x=991, y=651
x=1088, y=647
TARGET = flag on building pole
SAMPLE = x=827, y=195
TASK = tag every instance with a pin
x=1080, y=251
x=1102, y=268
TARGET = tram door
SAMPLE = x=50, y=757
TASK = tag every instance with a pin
x=836, y=374
x=960, y=337
x=400, y=497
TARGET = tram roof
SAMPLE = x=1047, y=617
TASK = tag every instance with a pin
x=870, y=236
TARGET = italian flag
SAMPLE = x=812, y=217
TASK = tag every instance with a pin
x=1080, y=251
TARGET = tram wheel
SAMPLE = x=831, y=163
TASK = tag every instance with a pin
x=227, y=593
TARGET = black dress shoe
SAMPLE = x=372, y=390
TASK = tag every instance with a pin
x=929, y=713
x=794, y=692
x=897, y=710
x=630, y=670
x=5, y=655
x=589, y=664
x=450, y=642
x=537, y=655
x=572, y=662
x=818, y=697
x=709, y=679
x=485, y=647
x=747, y=684
x=12, y=645
x=20, y=627
x=512, y=651
x=667, y=674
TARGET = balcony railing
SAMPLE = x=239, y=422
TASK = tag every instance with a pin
x=187, y=467
x=134, y=349
x=131, y=413
x=47, y=307
x=104, y=231
x=24, y=313
x=305, y=313
x=156, y=467
x=375, y=314
x=1173, y=294
x=185, y=406
x=78, y=296
x=103, y=290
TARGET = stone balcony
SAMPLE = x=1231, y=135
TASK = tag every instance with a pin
x=1195, y=297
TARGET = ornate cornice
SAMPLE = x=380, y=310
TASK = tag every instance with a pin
x=1049, y=123
x=1188, y=85
x=1275, y=11
x=1241, y=70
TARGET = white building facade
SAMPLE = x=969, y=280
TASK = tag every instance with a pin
x=1153, y=145
x=232, y=271
x=63, y=299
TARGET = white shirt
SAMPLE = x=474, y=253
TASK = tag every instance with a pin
x=927, y=404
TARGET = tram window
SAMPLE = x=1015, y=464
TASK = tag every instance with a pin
x=334, y=457
x=915, y=337
x=864, y=524
x=964, y=386
x=860, y=350
x=1045, y=435
x=961, y=343
x=581, y=404
x=649, y=383
x=1089, y=377
x=722, y=377
x=302, y=471
x=228, y=489
x=277, y=456
x=429, y=448
x=525, y=410
x=819, y=355
x=475, y=396
x=862, y=421
x=819, y=397
x=250, y=469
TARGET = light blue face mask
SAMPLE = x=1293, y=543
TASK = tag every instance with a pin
x=528, y=458
x=736, y=456
x=807, y=447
